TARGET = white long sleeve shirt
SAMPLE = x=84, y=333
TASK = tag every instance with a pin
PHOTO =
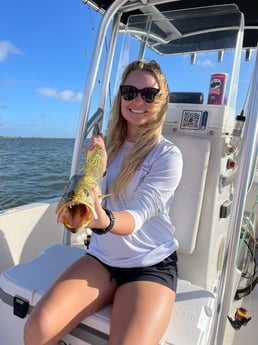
x=149, y=197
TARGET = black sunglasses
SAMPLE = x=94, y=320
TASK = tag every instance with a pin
x=148, y=94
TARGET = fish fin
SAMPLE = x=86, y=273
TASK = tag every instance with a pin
x=102, y=196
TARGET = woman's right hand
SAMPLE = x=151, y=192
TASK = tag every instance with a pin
x=98, y=140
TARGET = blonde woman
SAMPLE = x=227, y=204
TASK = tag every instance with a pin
x=131, y=261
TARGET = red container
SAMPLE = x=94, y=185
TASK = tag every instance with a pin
x=217, y=88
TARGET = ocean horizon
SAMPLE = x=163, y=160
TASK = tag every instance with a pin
x=33, y=169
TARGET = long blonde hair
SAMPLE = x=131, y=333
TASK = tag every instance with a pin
x=149, y=133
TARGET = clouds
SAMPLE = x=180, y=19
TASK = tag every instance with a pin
x=202, y=60
x=66, y=95
x=6, y=49
x=205, y=63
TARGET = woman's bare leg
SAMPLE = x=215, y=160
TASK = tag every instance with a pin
x=140, y=314
x=82, y=289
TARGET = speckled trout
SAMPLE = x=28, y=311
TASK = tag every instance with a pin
x=76, y=207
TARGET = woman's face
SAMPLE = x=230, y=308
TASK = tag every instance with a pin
x=137, y=111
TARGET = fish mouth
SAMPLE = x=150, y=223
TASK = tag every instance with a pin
x=75, y=215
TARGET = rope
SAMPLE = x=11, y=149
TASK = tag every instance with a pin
x=246, y=228
x=248, y=239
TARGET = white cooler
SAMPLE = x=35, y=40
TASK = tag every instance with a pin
x=23, y=285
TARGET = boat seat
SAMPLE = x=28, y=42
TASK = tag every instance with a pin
x=186, y=97
x=193, y=309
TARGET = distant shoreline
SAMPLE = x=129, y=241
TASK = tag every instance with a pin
x=21, y=137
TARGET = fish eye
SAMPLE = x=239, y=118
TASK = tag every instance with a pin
x=70, y=194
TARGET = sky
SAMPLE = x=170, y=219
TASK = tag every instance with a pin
x=45, y=52
x=45, y=49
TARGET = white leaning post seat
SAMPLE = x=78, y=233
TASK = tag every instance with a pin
x=189, y=194
x=22, y=286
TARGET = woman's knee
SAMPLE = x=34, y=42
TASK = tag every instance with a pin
x=35, y=330
x=29, y=332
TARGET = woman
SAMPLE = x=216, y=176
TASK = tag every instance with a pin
x=131, y=261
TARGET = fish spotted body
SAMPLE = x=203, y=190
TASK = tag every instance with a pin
x=76, y=207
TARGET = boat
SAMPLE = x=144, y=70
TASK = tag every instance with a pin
x=215, y=210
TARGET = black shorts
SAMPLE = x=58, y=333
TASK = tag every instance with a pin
x=165, y=272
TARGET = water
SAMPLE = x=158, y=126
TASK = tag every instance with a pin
x=33, y=169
